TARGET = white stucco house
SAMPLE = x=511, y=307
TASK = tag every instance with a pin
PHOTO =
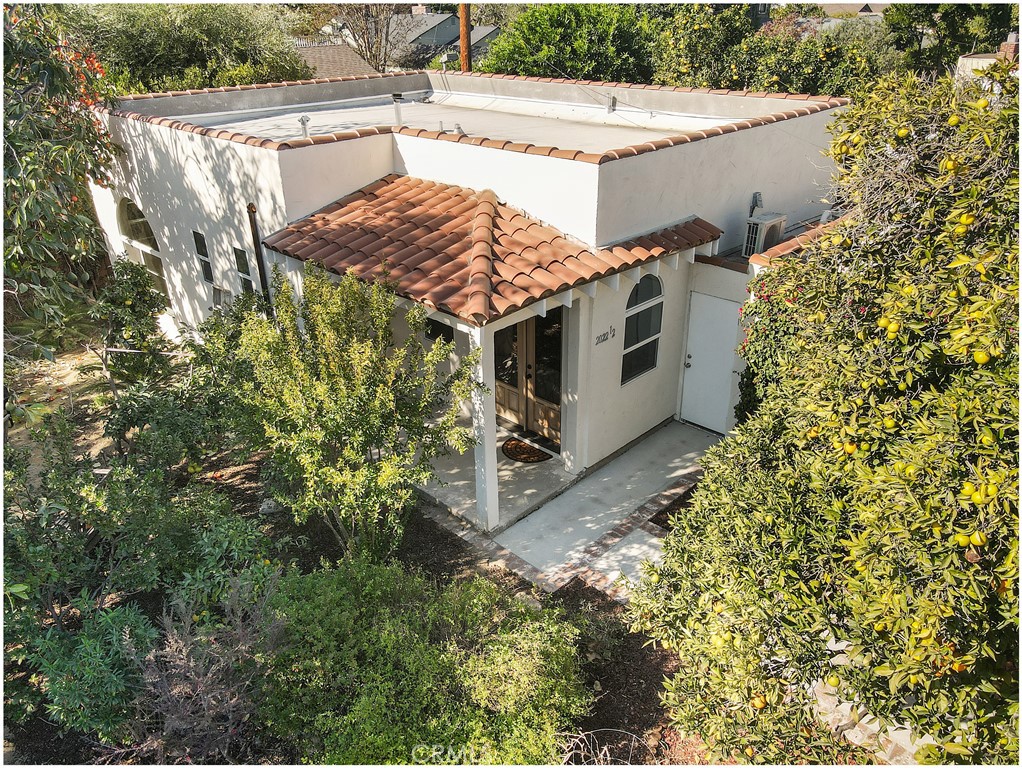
x=591, y=239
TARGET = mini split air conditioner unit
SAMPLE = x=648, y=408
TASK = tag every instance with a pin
x=765, y=231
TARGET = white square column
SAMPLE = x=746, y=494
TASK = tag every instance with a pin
x=484, y=423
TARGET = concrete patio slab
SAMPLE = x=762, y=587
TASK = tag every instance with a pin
x=560, y=531
x=522, y=487
x=623, y=558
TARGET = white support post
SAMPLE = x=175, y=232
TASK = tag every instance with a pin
x=539, y=308
x=671, y=260
x=689, y=254
x=589, y=289
x=484, y=423
x=614, y=281
x=652, y=268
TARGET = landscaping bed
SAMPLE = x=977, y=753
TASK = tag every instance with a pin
x=626, y=723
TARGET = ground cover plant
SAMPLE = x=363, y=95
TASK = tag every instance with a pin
x=871, y=498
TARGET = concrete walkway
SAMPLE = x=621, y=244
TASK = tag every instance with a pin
x=599, y=525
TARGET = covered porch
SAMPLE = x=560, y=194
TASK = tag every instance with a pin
x=521, y=487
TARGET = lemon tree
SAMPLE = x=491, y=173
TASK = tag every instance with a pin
x=861, y=527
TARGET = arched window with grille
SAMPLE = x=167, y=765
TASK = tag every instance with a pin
x=140, y=243
x=643, y=319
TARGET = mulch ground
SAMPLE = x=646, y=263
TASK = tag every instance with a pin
x=663, y=517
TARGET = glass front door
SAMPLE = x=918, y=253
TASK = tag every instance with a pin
x=527, y=359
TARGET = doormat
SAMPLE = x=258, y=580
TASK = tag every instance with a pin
x=519, y=450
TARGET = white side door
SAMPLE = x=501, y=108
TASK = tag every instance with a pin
x=710, y=384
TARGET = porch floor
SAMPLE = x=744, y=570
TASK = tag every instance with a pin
x=522, y=487
x=576, y=530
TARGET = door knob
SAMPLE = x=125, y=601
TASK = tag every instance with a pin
x=528, y=376
x=688, y=365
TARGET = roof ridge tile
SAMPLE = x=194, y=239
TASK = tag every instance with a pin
x=480, y=272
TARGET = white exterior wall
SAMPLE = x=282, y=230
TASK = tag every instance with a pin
x=184, y=182
x=559, y=192
x=619, y=413
x=313, y=177
x=715, y=179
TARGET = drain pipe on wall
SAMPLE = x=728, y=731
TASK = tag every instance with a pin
x=260, y=265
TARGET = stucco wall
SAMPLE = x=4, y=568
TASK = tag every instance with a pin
x=715, y=178
x=620, y=413
x=184, y=182
x=316, y=176
x=561, y=193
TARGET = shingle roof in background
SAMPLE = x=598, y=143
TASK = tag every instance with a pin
x=462, y=251
x=336, y=60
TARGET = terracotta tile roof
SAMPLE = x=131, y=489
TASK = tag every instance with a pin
x=808, y=105
x=463, y=252
x=794, y=244
x=335, y=60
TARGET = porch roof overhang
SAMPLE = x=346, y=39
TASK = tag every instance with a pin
x=464, y=252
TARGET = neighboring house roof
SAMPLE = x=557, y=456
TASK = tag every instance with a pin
x=335, y=60
x=460, y=251
x=410, y=27
x=842, y=9
x=479, y=34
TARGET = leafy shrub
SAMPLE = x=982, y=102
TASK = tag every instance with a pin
x=353, y=419
x=90, y=677
x=585, y=41
x=716, y=47
x=872, y=498
x=376, y=661
x=80, y=539
x=127, y=308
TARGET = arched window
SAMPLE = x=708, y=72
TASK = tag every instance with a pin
x=140, y=244
x=135, y=227
x=643, y=318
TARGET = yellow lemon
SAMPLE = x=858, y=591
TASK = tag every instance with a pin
x=978, y=538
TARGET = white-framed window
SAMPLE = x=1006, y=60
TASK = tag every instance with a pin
x=244, y=271
x=221, y=296
x=203, y=253
x=644, y=315
x=141, y=244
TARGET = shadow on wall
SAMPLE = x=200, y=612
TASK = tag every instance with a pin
x=183, y=184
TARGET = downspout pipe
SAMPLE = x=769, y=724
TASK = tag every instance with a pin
x=257, y=247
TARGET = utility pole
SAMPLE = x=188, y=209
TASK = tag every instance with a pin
x=466, y=37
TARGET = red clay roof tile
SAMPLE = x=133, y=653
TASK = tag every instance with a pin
x=462, y=251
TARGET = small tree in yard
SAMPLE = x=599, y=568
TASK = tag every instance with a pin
x=353, y=418
x=53, y=146
x=581, y=41
x=872, y=498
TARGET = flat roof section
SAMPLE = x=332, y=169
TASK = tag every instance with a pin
x=583, y=127
x=576, y=114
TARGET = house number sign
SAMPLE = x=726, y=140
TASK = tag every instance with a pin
x=605, y=336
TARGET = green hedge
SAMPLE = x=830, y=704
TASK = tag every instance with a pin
x=872, y=497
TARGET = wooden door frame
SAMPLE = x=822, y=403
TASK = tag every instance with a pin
x=525, y=417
